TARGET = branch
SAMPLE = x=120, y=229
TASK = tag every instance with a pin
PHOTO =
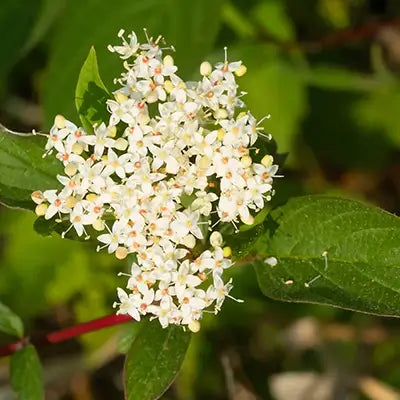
x=67, y=333
x=351, y=34
x=339, y=37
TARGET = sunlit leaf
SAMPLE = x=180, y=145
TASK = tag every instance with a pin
x=375, y=111
x=10, y=323
x=91, y=94
x=238, y=22
x=272, y=17
x=333, y=251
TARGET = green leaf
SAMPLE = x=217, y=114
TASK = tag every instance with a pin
x=26, y=374
x=91, y=94
x=333, y=251
x=154, y=360
x=335, y=12
x=23, y=169
x=375, y=111
x=188, y=25
x=243, y=242
x=272, y=17
x=10, y=323
x=336, y=78
x=238, y=22
x=128, y=335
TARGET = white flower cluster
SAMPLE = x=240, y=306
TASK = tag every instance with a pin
x=154, y=178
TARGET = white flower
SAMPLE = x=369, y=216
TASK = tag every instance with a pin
x=57, y=203
x=99, y=140
x=165, y=155
x=151, y=175
x=126, y=306
x=219, y=291
x=124, y=112
x=186, y=222
x=79, y=219
x=138, y=143
x=144, y=303
x=112, y=239
x=256, y=191
x=184, y=278
x=120, y=165
x=128, y=48
x=220, y=263
x=203, y=203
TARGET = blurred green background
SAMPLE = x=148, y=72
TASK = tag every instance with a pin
x=334, y=101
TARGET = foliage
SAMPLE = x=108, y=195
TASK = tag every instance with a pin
x=91, y=94
x=26, y=374
x=23, y=169
x=10, y=323
x=332, y=251
x=153, y=360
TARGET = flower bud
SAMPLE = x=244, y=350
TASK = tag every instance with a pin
x=120, y=97
x=204, y=162
x=37, y=197
x=221, y=134
x=98, y=225
x=77, y=148
x=121, y=253
x=267, y=160
x=194, y=326
x=168, y=86
x=246, y=161
x=241, y=70
x=121, y=144
x=221, y=113
x=189, y=241
x=112, y=131
x=205, y=68
x=41, y=209
x=168, y=61
x=143, y=118
x=248, y=221
x=227, y=252
x=70, y=169
x=216, y=239
x=70, y=202
x=59, y=121
x=91, y=197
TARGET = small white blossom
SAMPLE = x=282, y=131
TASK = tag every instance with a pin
x=155, y=181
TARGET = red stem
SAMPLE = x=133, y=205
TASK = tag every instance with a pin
x=67, y=333
x=352, y=34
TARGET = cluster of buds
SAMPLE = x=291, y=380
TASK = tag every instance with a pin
x=172, y=165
